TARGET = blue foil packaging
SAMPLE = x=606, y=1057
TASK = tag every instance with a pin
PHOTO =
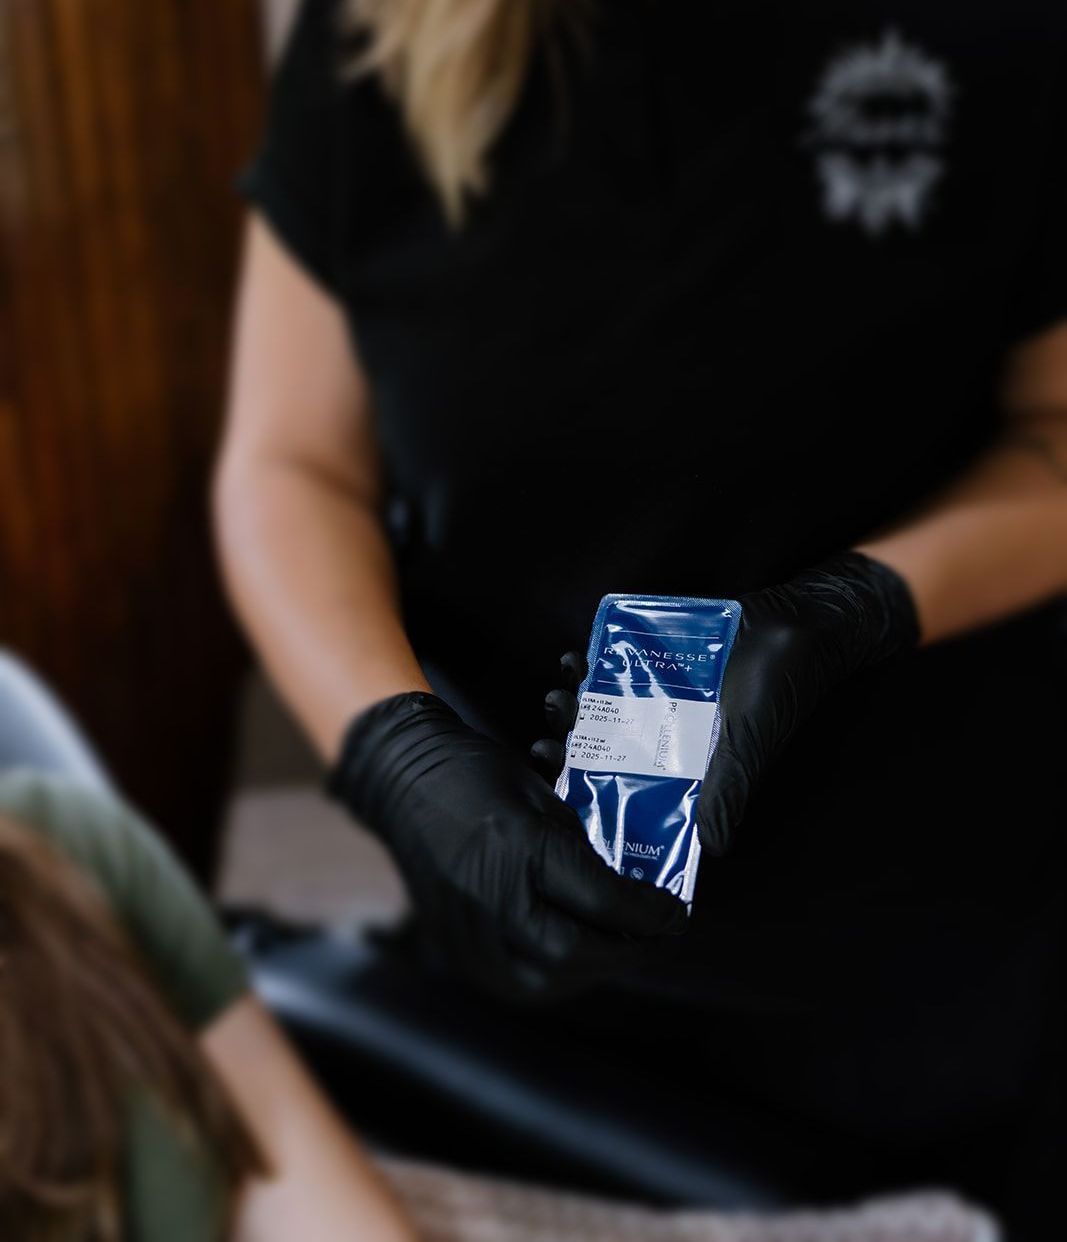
x=647, y=724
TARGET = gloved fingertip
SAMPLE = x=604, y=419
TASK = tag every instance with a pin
x=675, y=916
x=546, y=755
x=572, y=666
x=662, y=914
x=561, y=708
x=714, y=837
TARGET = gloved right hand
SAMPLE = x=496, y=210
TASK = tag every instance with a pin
x=499, y=869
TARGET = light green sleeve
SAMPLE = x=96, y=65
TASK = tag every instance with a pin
x=153, y=896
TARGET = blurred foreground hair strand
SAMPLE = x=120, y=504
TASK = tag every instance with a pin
x=84, y=1035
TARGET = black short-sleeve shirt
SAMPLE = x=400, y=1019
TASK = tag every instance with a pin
x=738, y=297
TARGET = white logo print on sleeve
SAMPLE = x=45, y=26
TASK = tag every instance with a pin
x=879, y=122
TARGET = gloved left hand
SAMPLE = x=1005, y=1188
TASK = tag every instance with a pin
x=796, y=643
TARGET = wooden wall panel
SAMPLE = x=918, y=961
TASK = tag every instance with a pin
x=122, y=123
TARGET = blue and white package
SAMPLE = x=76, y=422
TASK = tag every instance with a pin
x=647, y=724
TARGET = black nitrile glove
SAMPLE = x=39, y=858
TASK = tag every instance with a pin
x=499, y=869
x=796, y=643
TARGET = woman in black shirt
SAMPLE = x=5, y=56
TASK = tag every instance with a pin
x=721, y=299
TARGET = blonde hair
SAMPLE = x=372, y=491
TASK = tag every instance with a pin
x=456, y=69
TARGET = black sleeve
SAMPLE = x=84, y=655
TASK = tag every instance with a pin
x=292, y=179
x=1040, y=293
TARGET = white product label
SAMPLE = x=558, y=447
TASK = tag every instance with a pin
x=646, y=737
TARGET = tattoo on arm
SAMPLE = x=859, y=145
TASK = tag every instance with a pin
x=1052, y=453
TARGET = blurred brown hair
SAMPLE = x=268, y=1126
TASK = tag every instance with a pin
x=81, y=1027
x=456, y=68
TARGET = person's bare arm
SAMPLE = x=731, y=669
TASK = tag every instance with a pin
x=297, y=494
x=322, y=1187
x=995, y=542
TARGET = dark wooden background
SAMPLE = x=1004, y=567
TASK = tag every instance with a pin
x=122, y=123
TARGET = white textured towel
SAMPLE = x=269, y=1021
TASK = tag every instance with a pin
x=449, y=1206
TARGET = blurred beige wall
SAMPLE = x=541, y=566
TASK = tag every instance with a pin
x=277, y=14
